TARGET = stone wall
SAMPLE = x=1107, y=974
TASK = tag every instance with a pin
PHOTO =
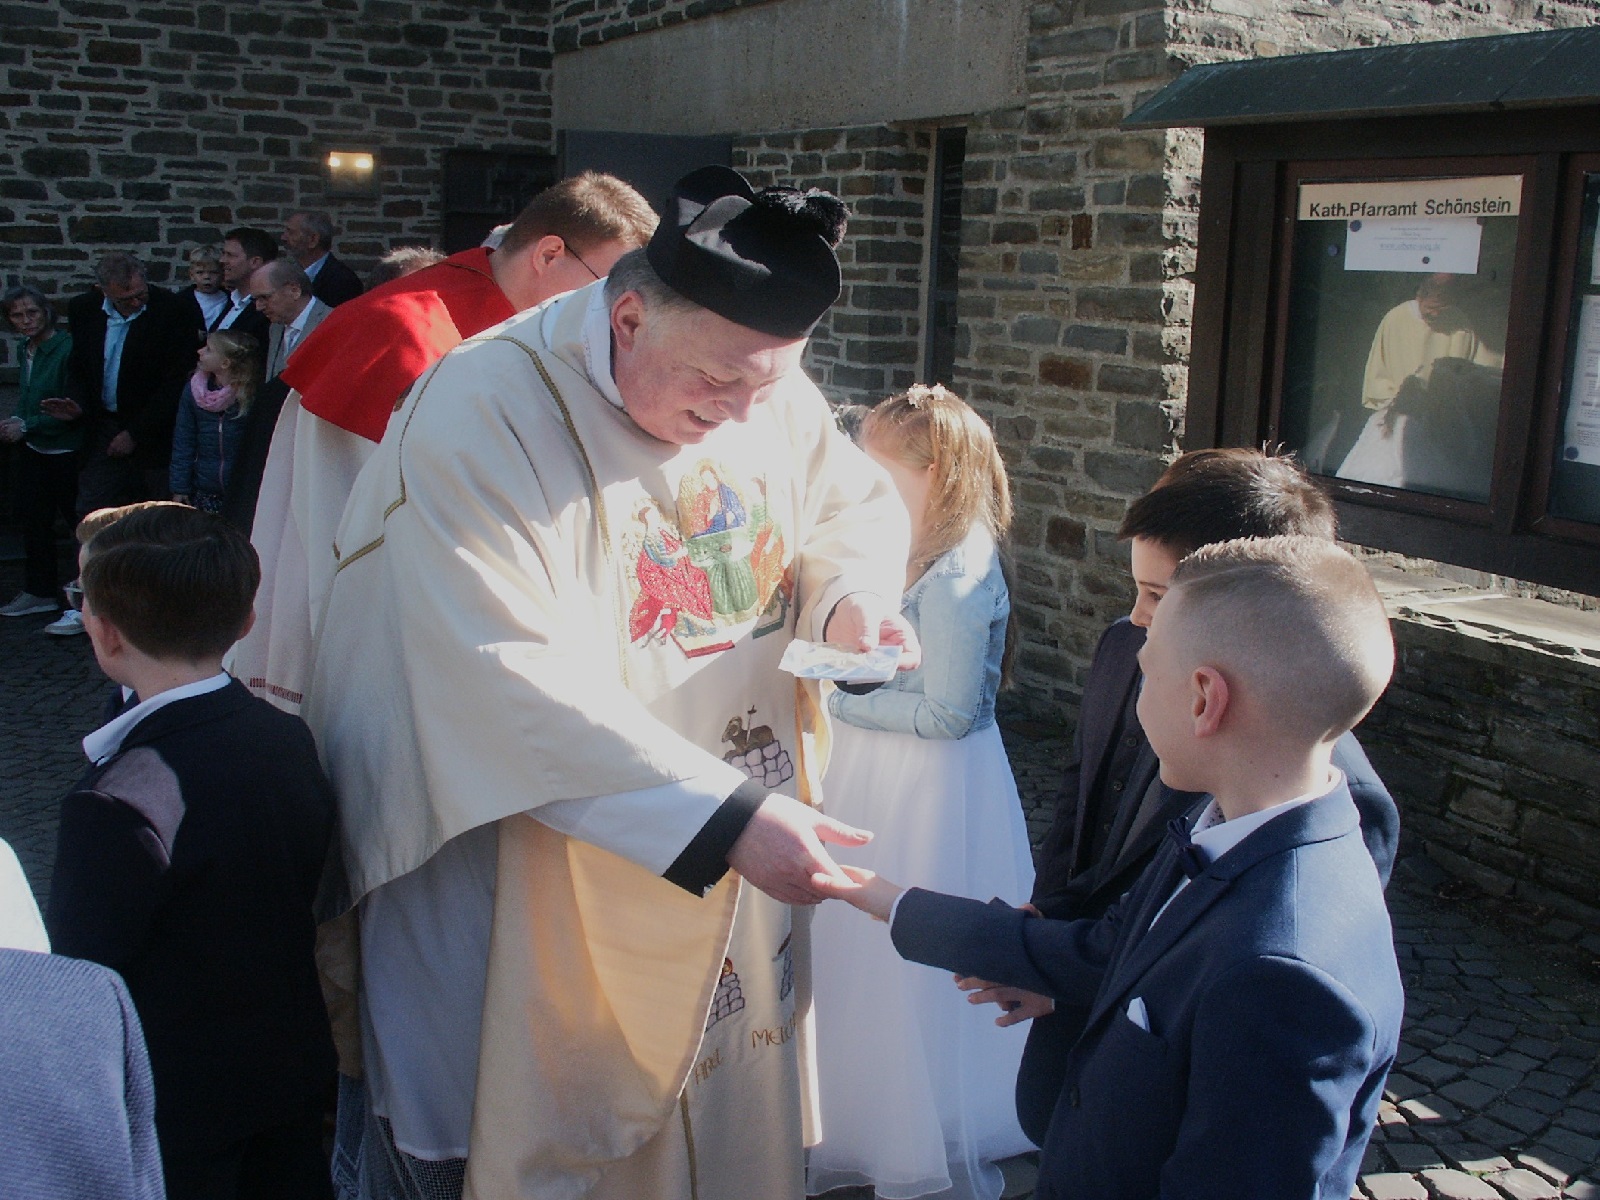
x=1214, y=30
x=1077, y=273
x=869, y=343
x=590, y=22
x=1075, y=244
x=156, y=126
x=1489, y=736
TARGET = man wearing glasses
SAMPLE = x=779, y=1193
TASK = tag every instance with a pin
x=132, y=348
x=282, y=293
x=350, y=374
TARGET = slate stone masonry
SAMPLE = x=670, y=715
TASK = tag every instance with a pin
x=153, y=127
x=579, y=23
x=1492, y=744
x=867, y=346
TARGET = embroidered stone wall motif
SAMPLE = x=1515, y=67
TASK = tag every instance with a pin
x=757, y=751
x=729, y=996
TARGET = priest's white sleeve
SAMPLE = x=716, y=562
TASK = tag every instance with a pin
x=650, y=826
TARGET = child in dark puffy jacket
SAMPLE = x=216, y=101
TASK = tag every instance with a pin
x=211, y=418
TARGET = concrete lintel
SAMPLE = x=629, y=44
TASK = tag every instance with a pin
x=1569, y=635
x=800, y=64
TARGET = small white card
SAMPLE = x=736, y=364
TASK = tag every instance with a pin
x=819, y=660
x=1448, y=244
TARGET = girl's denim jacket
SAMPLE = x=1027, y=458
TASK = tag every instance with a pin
x=959, y=609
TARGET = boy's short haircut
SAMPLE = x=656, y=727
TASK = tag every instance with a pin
x=1220, y=494
x=1296, y=619
x=178, y=583
x=94, y=522
x=205, y=256
x=585, y=211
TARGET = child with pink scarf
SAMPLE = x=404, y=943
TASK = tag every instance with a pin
x=210, y=418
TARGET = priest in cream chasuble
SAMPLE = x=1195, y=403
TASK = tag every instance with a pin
x=546, y=688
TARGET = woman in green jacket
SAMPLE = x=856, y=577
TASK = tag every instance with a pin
x=47, y=458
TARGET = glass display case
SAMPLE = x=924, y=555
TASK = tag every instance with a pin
x=1399, y=300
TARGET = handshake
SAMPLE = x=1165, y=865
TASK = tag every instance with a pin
x=782, y=852
x=876, y=896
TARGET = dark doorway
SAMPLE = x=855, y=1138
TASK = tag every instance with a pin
x=944, y=325
x=483, y=189
x=650, y=162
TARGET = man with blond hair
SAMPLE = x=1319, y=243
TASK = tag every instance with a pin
x=349, y=375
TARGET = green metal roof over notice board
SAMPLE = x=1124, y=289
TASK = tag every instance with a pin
x=1559, y=68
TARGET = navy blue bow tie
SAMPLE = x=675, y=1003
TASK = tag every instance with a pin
x=1191, y=858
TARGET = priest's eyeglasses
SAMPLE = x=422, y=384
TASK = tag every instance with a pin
x=579, y=257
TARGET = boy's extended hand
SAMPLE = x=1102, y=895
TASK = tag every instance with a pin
x=871, y=893
x=1017, y=1005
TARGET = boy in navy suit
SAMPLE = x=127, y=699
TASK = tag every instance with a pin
x=189, y=857
x=1244, y=1001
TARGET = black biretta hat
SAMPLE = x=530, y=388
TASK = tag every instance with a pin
x=763, y=259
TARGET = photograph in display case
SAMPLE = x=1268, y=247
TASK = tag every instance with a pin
x=1399, y=300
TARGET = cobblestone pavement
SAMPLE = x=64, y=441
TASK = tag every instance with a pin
x=1497, y=1091
x=51, y=692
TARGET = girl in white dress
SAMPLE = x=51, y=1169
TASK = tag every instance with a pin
x=916, y=1084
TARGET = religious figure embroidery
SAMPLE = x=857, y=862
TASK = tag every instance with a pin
x=729, y=996
x=717, y=570
x=774, y=580
x=669, y=584
x=757, y=752
x=720, y=542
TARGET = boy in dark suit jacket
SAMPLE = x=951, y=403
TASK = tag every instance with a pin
x=1113, y=809
x=189, y=858
x=1244, y=1001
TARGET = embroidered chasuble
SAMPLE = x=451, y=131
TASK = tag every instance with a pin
x=537, y=606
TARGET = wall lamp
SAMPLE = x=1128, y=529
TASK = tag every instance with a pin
x=351, y=173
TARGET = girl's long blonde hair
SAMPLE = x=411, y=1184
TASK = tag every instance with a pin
x=933, y=427
x=242, y=353
x=930, y=426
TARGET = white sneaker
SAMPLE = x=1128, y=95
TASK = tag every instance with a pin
x=69, y=623
x=26, y=604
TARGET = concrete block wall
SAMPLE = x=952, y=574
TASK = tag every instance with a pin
x=869, y=344
x=153, y=127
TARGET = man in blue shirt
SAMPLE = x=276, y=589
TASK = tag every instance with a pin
x=132, y=348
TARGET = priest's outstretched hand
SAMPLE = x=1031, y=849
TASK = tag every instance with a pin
x=863, y=620
x=781, y=851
